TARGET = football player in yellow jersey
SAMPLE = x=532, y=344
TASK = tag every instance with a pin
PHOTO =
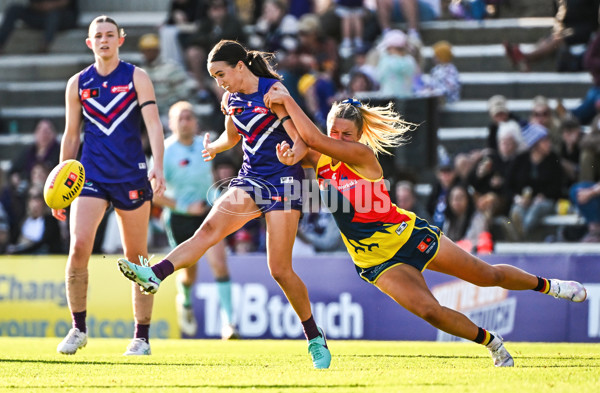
x=346, y=161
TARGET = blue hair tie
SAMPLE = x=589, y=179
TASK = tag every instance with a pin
x=352, y=102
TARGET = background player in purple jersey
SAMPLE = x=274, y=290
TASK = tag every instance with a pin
x=108, y=98
x=355, y=134
x=260, y=187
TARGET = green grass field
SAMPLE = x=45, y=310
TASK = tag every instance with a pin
x=32, y=365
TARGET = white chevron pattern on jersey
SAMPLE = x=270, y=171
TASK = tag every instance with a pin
x=262, y=138
x=115, y=123
x=107, y=108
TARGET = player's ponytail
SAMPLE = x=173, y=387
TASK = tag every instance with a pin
x=379, y=127
x=233, y=52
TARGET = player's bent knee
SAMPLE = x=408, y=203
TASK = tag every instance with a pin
x=280, y=274
x=430, y=313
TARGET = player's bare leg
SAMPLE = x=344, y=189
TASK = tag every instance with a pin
x=133, y=225
x=85, y=217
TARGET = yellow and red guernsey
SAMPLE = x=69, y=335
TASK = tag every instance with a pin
x=372, y=227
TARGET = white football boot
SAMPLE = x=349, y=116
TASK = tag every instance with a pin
x=570, y=290
x=499, y=354
x=138, y=346
x=74, y=340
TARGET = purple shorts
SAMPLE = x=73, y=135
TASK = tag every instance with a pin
x=270, y=197
x=125, y=196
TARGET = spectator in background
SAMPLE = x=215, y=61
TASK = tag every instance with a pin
x=464, y=163
x=535, y=180
x=574, y=23
x=171, y=82
x=585, y=194
x=498, y=111
x=318, y=90
x=396, y=68
x=37, y=178
x=45, y=149
x=350, y=13
x=180, y=21
x=588, y=108
x=443, y=79
x=464, y=223
x=486, y=179
x=275, y=30
x=47, y=15
x=406, y=198
x=311, y=72
x=360, y=82
x=410, y=11
x=39, y=231
x=569, y=151
x=542, y=114
x=437, y=201
x=219, y=24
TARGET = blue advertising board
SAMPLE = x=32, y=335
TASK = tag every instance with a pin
x=349, y=308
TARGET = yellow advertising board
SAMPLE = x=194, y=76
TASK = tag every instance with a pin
x=33, y=300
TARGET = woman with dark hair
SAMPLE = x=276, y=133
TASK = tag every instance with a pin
x=263, y=185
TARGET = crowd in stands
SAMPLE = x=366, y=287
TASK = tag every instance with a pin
x=529, y=168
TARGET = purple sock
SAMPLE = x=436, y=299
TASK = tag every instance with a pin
x=163, y=269
x=310, y=328
x=142, y=331
x=79, y=320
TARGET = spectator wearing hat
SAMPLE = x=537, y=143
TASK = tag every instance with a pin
x=396, y=68
x=171, y=81
x=443, y=79
x=498, y=111
x=535, y=181
x=542, y=113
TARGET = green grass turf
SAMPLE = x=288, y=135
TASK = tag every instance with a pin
x=32, y=365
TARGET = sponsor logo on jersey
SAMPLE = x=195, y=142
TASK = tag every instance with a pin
x=286, y=180
x=90, y=93
x=142, y=165
x=105, y=84
x=401, y=228
x=87, y=82
x=119, y=89
x=259, y=109
x=236, y=110
x=425, y=243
